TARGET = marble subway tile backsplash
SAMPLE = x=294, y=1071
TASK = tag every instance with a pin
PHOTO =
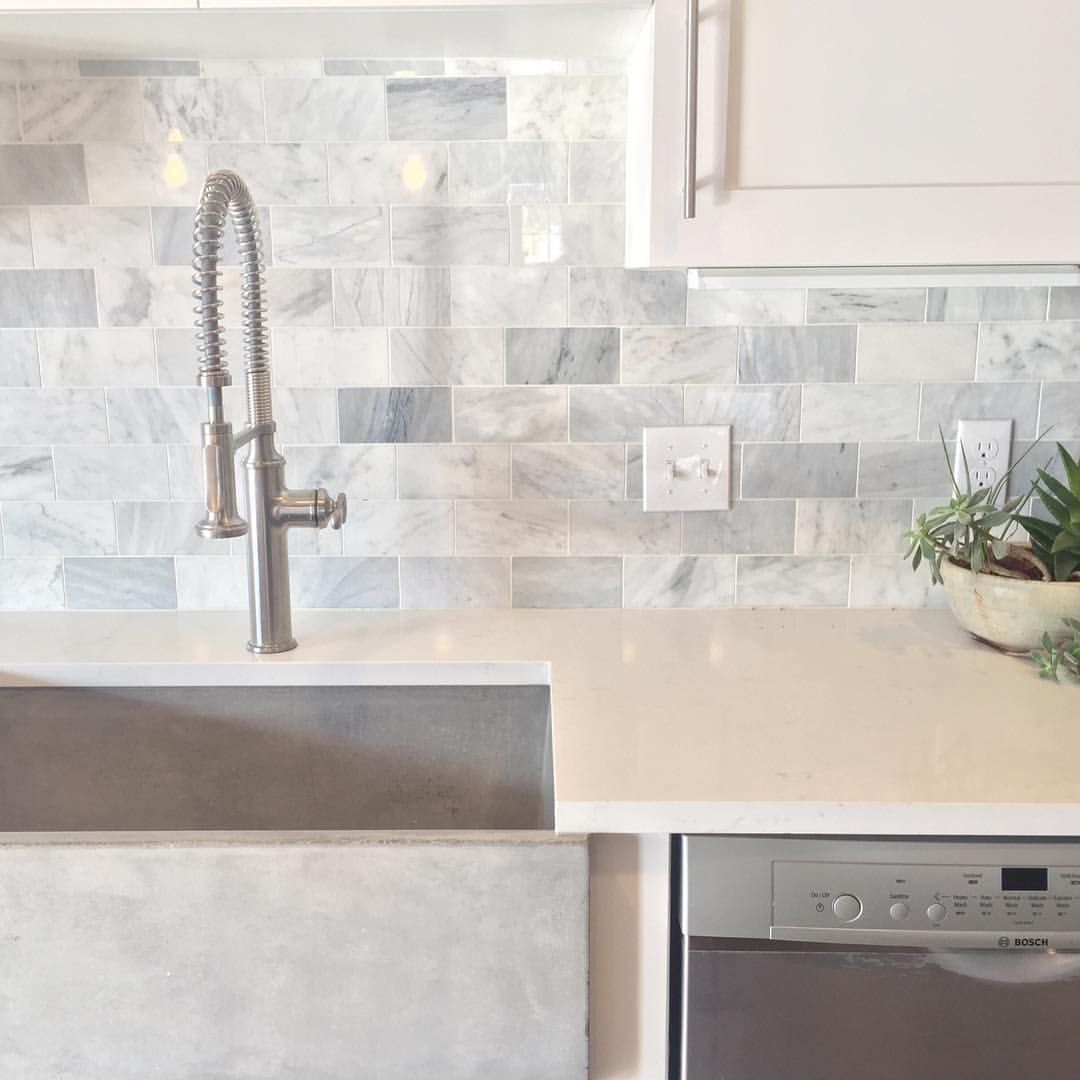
x=457, y=345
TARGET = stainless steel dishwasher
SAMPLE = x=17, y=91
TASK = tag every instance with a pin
x=875, y=959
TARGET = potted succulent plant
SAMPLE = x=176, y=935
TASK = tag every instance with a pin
x=1021, y=597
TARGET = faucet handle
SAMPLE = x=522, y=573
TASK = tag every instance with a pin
x=332, y=512
x=340, y=511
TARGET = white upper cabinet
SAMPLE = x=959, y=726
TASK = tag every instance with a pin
x=856, y=133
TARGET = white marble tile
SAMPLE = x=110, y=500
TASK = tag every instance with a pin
x=618, y=413
x=402, y=67
x=793, y=354
x=843, y=412
x=204, y=109
x=131, y=69
x=159, y=173
x=408, y=527
x=321, y=236
x=575, y=354
x=512, y=414
x=653, y=581
x=446, y=357
x=325, y=356
x=1060, y=413
x=570, y=235
x=155, y=296
x=112, y=472
x=377, y=174
x=42, y=175
x=885, y=581
x=304, y=415
x=329, y=582
x=171, y=227
x=491, y=296
x=81, y=110
x=59, y=528
x=745, y=307
x=845, y=526
x=504, y=65
x=508, y=172
x=450, y=235
x=163, y=528
x=209, y=582
x=152, y=415
x=453, y=472
x=677, y=354
x=294, y=297
x=75, y=236
x=26, y=472
x=31, y=585
x=510, y=527
x=120, y=584
x=363, y=472
x=1064, y=302
x=540, y=582
x=269, y=67
x=403, y=296
x=184, y=472
x=558, y=471
x=792, y=581
x=903, y=470
x=1029, y=351
x=573, y=108
x=945, y=403
x=969, y=304
x=277, y=174
x=46, y=298
x=177, y=355
x=16, y=249
x=617, y=297
x=916, y=353
x=615, y=526
x=40, y=417
x=790, y=470
x=9, y=113
x=18, y=359
x=865, y=305
x=455, y=583
x=598, y=171
x=326, y=110
x=755, y=413
x=314, y=541
x=97, y=357
x=751, y=526
x=467, y=108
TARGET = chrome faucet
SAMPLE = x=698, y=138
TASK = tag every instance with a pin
x=272, y=507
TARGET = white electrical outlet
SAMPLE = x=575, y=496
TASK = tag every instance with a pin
x=986, y=449
x=686, y=468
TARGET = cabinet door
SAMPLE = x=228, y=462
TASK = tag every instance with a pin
x=846, y=133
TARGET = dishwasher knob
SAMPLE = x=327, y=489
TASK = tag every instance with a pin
x=936, y=912
x=898, y=912
x=847, y=908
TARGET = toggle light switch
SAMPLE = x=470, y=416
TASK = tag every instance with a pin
x=687, y=468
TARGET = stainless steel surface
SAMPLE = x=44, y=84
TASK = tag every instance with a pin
x=690, y=119
x=273, y=508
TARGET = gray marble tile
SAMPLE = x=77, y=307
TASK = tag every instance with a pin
x=98, y=357
x=264, y=67
x=207, y=109
x=120, y=584
x=278, y=174
x=134, y=68
x=504, y=65
x=583, y=355
x=1064, y=302
x=903, y=470
x=787, y=470
x=329, y=236
x=865, y=305
x=395, y=415
x=40, y=417
x=508, y=172
x=622, y=297
x=510, y=527
x=294, y=297
x=540, y=582
x=156, y=174
x=42, y=175
x=398, y=297
x=329, y=582
x=329, y=356
x=9, y=113
x=364, y=472
x=943, y=404
x=403, y=68
x=497, y=296
x=172, y=227
x=616, y=526
x=47, y=298
x=618, y=413
x=839, y=412
x=913, y=353
x=351, y=109
x=446, y=108
x=977, y=304
x=884, y=581
x=677, y=354
x=59, y=528
x=745, y=307
x=163, y=528
x=26, y=472
x=598, y=172
x=1029, y=351
x=1060, y=414
x=779, y=354
x=513, y=414
x=31, y=585
x=152, y=415
x=93, y=236
x=763, y=526
x=453, y=472
x=16, y=248
x=574, y=108
x=678, y=582
x=18, y=359
x=377, y=174
x=158, y=296
x=305, y=415
x=792, y=581
x=450, y=235
x=845, y=526
x=210, y=582
x=39, y=67
x=446, y=357
x=81, y=110
x=111, y=472
x=455, y=583
x=567, y=235
x=1043, y=456
x=569, y=472
x=408, y=527
x=756, y=413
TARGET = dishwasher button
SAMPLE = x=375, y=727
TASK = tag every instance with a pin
x=847, y=908
x=898, y=912
x=936, y=913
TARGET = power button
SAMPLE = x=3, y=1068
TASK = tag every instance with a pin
x=847, y=908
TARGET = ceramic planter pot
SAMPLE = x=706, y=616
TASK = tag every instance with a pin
x=1008, y=612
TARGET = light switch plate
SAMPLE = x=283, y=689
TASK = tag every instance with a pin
x=687, y=468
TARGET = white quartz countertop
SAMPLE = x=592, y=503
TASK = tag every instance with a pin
x=723, y=721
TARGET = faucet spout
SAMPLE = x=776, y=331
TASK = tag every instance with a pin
x=273, y=508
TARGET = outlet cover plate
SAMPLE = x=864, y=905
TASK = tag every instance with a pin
x=987, y=448
x=687, y=468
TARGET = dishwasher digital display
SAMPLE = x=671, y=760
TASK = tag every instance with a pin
x=1023, y=879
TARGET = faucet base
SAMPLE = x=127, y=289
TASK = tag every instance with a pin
x=272, y=647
